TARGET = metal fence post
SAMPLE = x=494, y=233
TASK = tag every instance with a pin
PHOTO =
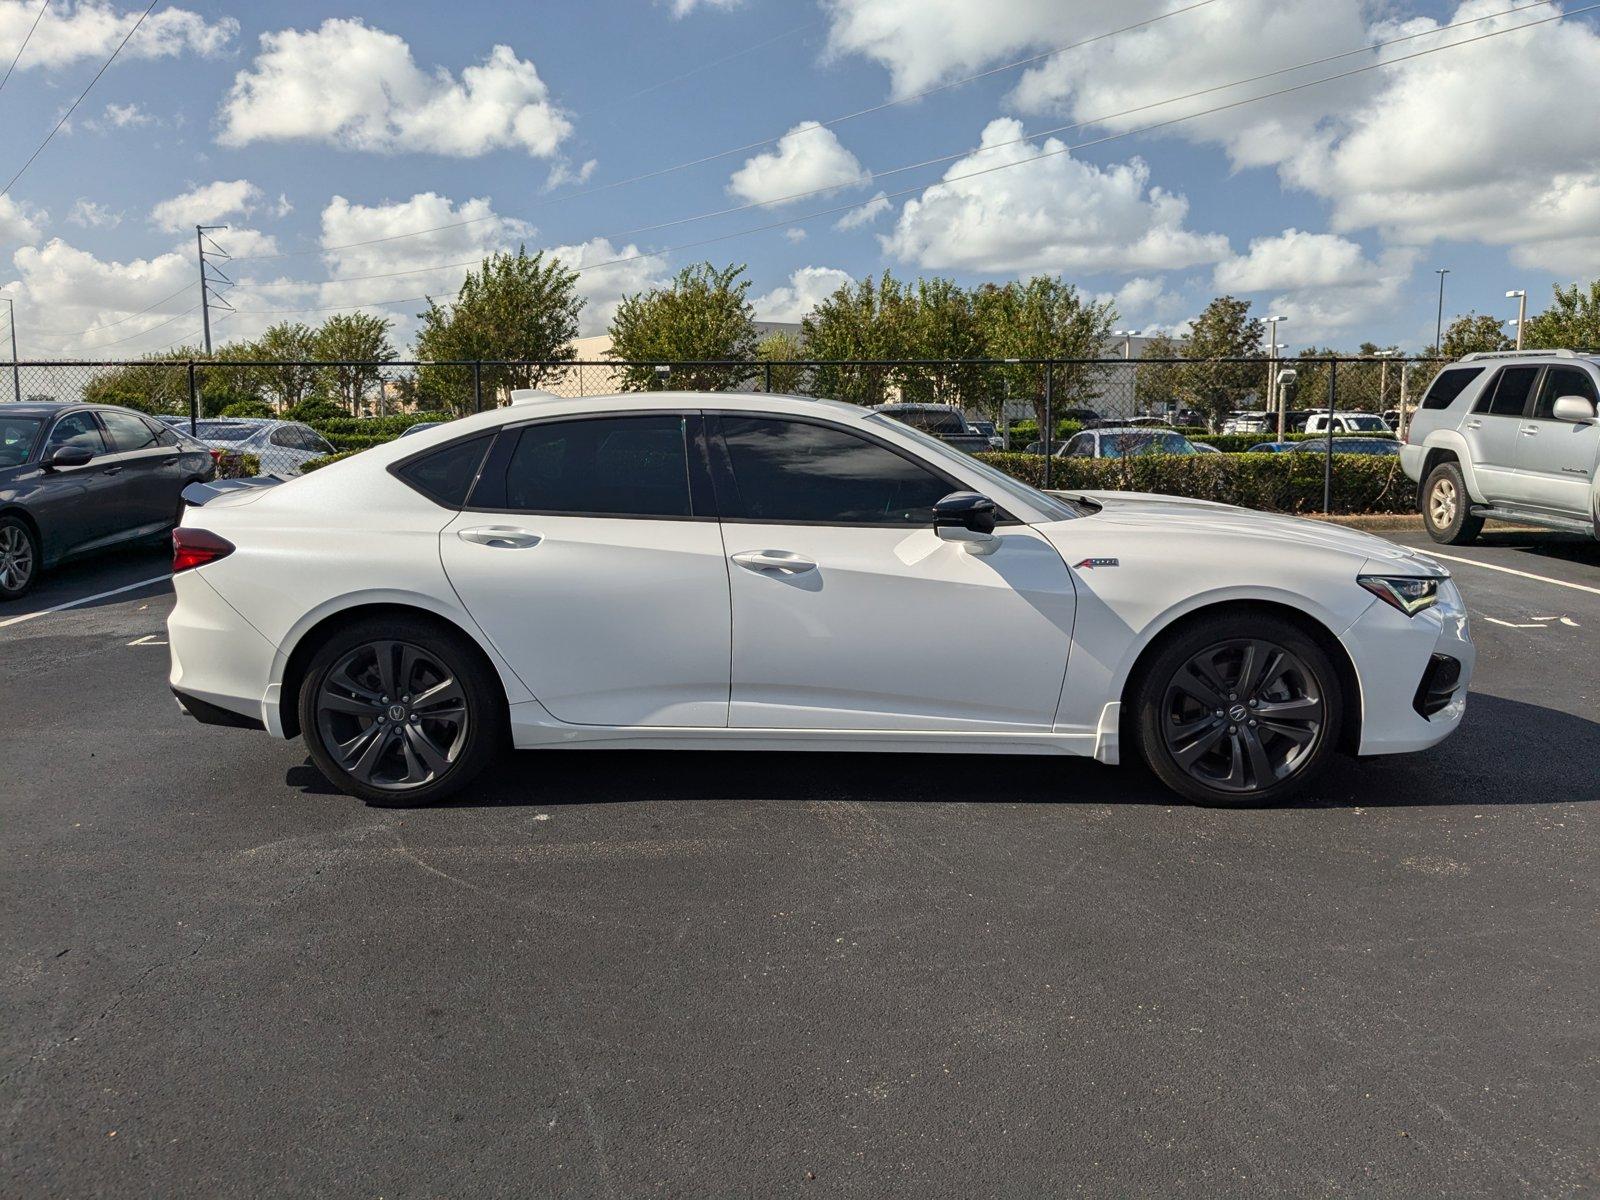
x=769, y=376
x=477, y=385
x=1327, y=461
x=194, y=401
x=1049, y=431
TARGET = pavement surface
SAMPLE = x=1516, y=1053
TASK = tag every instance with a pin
x=620, y=974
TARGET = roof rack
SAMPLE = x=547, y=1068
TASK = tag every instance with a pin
x=1480, y=355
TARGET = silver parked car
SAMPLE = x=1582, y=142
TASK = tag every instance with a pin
x=1125, y=441
x=282, y=446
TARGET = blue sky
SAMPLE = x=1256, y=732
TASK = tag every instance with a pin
x=310, y=126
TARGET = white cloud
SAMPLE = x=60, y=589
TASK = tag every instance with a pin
x=1144, y=302
x=794, y=236
x=84, y=293
x=807, y=288
x=1295, y=260
x=808, y=158
x=207, y=204
x=682, y=8
x=71, y=32
x=119, y=116
x=19, y=221
x=359, y=88
x=1054, y=214
x=564, y=173
x=608, y=273
x=865, y=215
x=91, y=215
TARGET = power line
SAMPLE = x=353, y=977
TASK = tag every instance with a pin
x=1026, y=137
x=64, y=116
x=37, y=17
x=828, y=124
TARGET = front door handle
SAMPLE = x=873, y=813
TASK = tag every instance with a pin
x=1530, y=431
x=112, y=471
x=501, y=537
x=774, y=560
x=1474, y=424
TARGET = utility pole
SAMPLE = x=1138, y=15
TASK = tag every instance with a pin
x=16, y=372
x=1438, y=328
x=200, y=232
x=1521, y=297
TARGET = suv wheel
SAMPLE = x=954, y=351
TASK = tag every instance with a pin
x=1447, y=508
x=19, y=557
x=400, y=711
x=1239, y=709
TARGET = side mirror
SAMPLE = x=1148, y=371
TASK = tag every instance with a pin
x=966, y=517
x=70, y=456
x=1573, y=408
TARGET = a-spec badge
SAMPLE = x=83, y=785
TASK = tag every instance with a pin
x=1090, y=564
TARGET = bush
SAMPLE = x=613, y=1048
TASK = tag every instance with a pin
x=235, y=464
x=256, y=409
x=386, y=427
x=357, y=441
x=1023, y=432
x=317, y=408
x=1288, y=483
x=314, y=464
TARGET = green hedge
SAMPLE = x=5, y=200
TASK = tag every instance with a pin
x=357, y=441
x=1289, y=483
x=384, y=428
x=312, y=464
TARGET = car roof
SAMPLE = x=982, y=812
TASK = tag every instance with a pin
x=894, y=408
x=1133, y=429
x=47, y=408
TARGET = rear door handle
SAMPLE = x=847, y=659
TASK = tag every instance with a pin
x=112, y=471
x=774, y=560
x=501, y=537
x=1530, y=431
x=1474, y=424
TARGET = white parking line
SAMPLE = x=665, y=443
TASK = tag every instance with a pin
x=1472, y=562
x=83, y=600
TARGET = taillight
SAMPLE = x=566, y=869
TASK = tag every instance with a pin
x=197, y=547
x=216, y=455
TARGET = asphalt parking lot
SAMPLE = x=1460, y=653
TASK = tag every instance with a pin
x=619, y=973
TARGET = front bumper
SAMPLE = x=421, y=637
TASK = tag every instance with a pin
x=1394, y=659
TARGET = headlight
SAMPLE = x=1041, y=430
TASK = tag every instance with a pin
x=1409, y=593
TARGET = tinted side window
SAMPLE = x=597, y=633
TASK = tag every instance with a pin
x=76, y=429
x=164, y=433
x=1559, y=382
x=446, y=475
x=796, y=471
x=128, y=432
x=1507, y=396
x=605, y=466
x=1449, y=384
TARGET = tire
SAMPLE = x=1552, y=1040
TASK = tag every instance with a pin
x=351, y=707
x=1197, y=716
x=19, y=558
x=1447, y=508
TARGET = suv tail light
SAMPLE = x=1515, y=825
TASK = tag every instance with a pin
x=196, y=547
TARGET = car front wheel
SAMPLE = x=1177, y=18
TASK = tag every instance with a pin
x=400, y=712
x=1239, y=710
x=19, y=557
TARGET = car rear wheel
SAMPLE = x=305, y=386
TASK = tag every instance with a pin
x=19, y=557
x=1239, y=710
x=400, y=712
x=1447, y=508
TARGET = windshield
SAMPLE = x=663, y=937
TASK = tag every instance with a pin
x=226, y=431
x=16, y=439
x=1124, y=445
x=1366, y=424
x=1050, y=507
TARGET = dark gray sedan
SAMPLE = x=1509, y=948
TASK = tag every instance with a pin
x=76, y=478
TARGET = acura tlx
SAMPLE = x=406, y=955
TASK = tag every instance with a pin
x=760, y=572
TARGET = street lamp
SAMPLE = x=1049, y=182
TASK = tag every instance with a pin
x=1438, y=328
x=1383, y=373
x=1274, y=394
x=1521, y=297
x=1127, y=336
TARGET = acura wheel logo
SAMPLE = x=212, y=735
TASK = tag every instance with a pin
x=1238, y=712
x=397, y=712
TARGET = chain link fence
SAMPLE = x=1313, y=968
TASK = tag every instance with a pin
x=286, y=413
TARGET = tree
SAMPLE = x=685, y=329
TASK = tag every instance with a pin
x=518, y=313
x=158, y=383
x=865, y=321
x=1572, y=322
x=1157, y=383
x=703, y=315
x=1474, y=333
x=779, y=350
x=1224, y=330
x=942, y=322
x=1046, y=317
x=290, y=344
x=356, y=341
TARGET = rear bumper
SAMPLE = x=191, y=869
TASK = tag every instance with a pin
x=210, y=714
x=219, y=660
x=1411, y=460
x=1394, y=656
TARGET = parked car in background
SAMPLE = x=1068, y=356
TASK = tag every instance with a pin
x=1205, y=448
x=1149, y=422
x=1245, y=422
x=944, y=421
x=1124, y=442
x=420, y=427
x=282, y=446
x=721, y=571
x=987, y=428
x=1512, y=435
x=1346, y=422
x=1341, y=445
x=77, y=478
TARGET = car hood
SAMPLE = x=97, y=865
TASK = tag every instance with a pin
x=1178, y=513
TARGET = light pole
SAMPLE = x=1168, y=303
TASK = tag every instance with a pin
x=1438, y=328
x=1521, y=297
x=1383, y=374
x=1273, y=393
x=16, y=373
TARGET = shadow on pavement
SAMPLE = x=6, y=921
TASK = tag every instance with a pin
x=1569, y=547
x=1507, y=753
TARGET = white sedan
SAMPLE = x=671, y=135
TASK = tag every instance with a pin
x=758, y=572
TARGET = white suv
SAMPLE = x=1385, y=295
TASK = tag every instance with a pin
x=1511, y=435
